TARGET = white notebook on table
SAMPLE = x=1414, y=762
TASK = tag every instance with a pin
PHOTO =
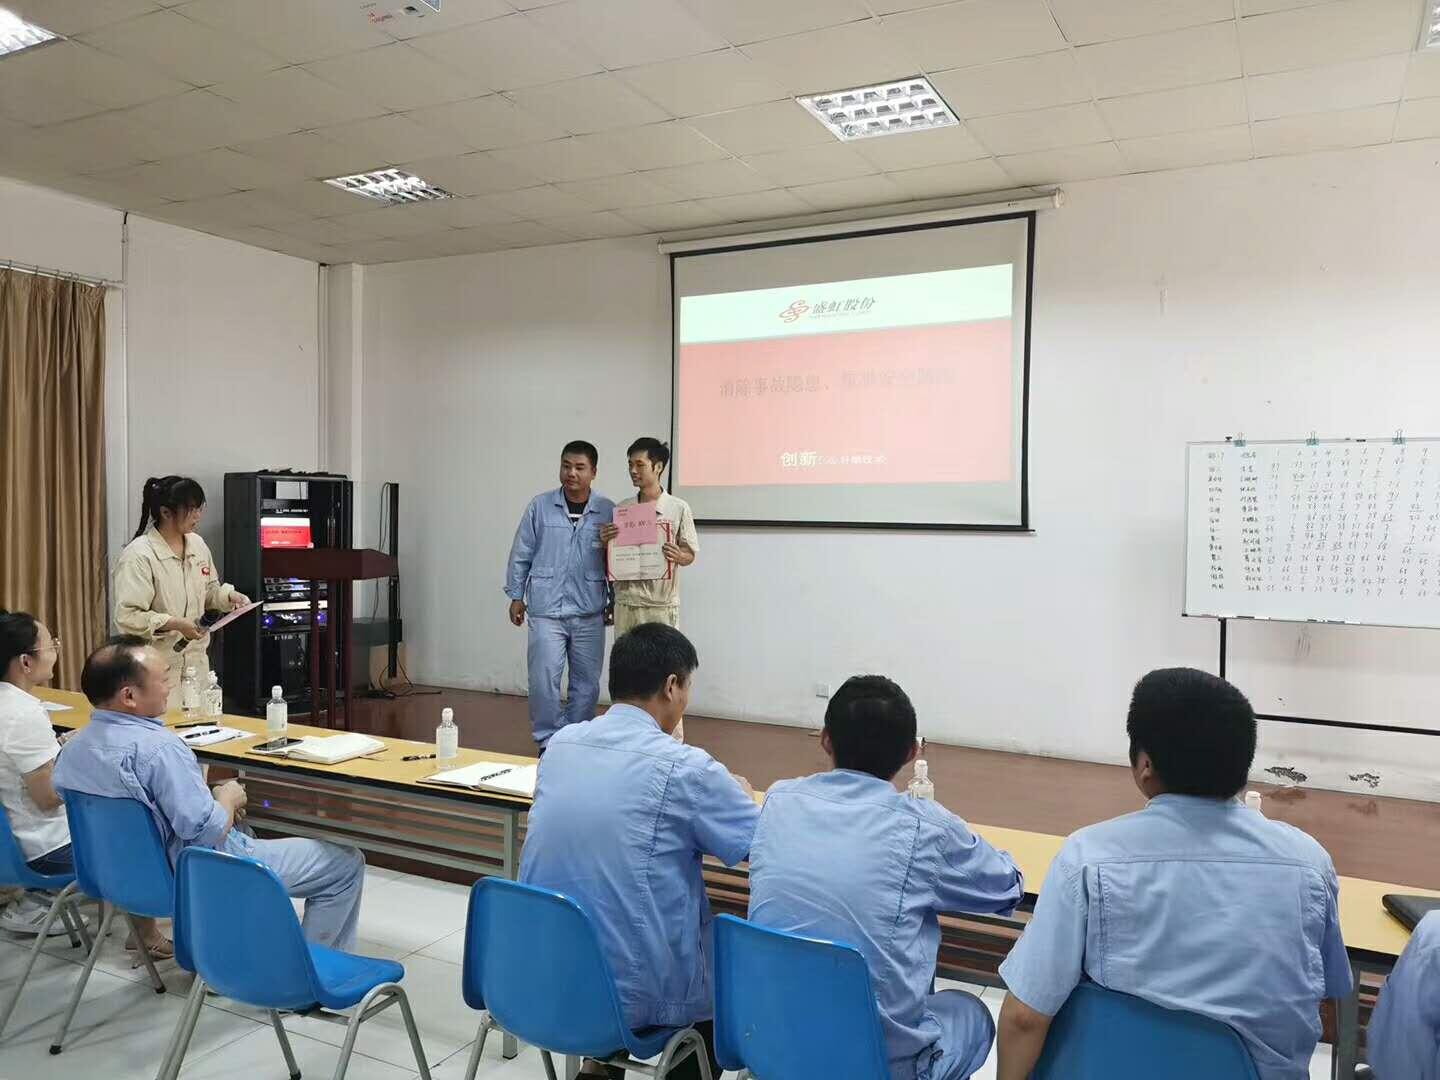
x=327, y=749
x=489, y=776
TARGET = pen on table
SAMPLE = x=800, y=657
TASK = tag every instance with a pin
x=195, y=723
x=416, y=757
x=197, y=734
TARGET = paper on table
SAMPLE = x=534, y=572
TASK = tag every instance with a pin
x=638, y=524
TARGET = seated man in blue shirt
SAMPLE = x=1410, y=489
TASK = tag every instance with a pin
x=1195, y=903
x=623, y=815
x=1403, y=1039
x=842, y=855
x=127, y=752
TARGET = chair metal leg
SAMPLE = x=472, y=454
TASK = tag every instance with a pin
x=284, y=1038
x=184, y=1030
x=81, y=926
x=549, y=1064
x=65, y=917
x=509, y=1046
x=413, y=1032
x=145, y=956
x=56, y=907
x=682, y=1045
x=364, y=1010
x=480, y=1036
x=59, y=1042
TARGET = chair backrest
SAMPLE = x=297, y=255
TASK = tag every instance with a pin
x=533, y=959
x=1101, y=1034
x=119, y=856
x=790, y=1008
x=13, y=869
x=235, y=927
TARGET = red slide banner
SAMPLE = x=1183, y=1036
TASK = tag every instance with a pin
x=908, y=405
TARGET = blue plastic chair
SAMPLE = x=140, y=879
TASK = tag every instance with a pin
x=65, y=906
x=1101, y=1034
x=790, y=1008
x=234, y=923
x=533, y=966
x=120, y=861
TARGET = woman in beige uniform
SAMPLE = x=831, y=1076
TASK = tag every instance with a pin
x=165, y=579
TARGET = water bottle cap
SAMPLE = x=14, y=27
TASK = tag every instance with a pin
x=277, y=694
x=190, y=670
x=922, y=769
x=214, y=677
x=447, y=716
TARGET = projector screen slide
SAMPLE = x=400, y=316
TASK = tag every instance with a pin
x=830, y=389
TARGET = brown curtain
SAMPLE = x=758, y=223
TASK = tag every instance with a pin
x=52, y=459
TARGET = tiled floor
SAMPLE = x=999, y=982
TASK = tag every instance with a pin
x=123, y=1026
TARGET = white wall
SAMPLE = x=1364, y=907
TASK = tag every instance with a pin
x=1272, y=297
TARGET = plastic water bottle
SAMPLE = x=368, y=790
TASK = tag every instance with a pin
x=920, y=784
x=214, y=698
x=190, y=693
x=277, y=714
x=447, y=736
x=1252, y=801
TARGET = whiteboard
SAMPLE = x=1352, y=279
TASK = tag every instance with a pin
x=1334, y=530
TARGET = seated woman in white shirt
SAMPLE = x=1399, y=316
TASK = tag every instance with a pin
x=28, y=749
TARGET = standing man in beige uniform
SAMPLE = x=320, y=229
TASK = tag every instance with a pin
x=165, y=580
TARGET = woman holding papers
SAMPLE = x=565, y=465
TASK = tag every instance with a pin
x=165, y=580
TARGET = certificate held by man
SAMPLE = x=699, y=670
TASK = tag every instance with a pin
x=637, y=553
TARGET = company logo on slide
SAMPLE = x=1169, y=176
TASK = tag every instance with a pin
x=857, y=305
x=794, y=311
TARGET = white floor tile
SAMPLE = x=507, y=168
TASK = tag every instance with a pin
x=526, y=1066
x=446, y=1023
x=258, y=1055
x=450, y=948
x=409, y=915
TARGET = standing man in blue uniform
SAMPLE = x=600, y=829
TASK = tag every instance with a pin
x=556, y=576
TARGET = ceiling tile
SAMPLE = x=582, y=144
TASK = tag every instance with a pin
x=1061, y=166
x=1042, y=129
x=468, y=213
x=920, y=149
x=71, y=70
x=297, y=30
x=620, y=192
x=1201, y=54
x=40, y=97
x=886, y=7
x=329, y=231
x=836, y=58
x=939, y=181
x=507, y=53
x=1087, y=21
x=593, y=226
x=311, y=154
x=369, y=252
x=391, y=221
x=976, y=32
x=878, y=190
x=591, y=103
x=1263, y=7
x=237, y=208
x=776, y=125
x=758, y=206
x=812, y=164
x=105, y=192
x=182, y=48
x=533, y=203
x=705, y=84
x=655, y=146
x=624, y=33
x=1190, y=108
x=486, y=123
x=744, y=21
x=1184, y=149
x=313, y=198
x=72, y=17
x=526, y=234
x=473, y=174
x=1324, y=131
x=1423, y=79
x=399, y=77
x=389, y=140
x=297, y=99
x=1419, y=119
x=570, y=158
x=198, y=120
x=1033, y=82
x=712, y=179
x=672, y=217
x=1327, y=34
x=90, y=144
x=453, y=16
x=1327, y=89
x=198, y=176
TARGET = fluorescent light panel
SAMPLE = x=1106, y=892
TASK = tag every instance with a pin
x=864, y=112
x=17, y=35
x=393, y=187
x=1430, y=30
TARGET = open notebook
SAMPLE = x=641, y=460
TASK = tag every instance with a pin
x=489, y=776
x=327, y=749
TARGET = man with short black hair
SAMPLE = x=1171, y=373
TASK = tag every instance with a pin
x=623, y=816
x=127, y=752
x=556, y=576
x=843, y=856
x=1195, y=903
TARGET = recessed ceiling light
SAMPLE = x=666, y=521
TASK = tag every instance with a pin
x=1430, y=29
x=863, y=112
x=17, y=35
x=393, y=187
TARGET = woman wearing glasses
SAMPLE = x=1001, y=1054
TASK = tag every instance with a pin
x=165, y=579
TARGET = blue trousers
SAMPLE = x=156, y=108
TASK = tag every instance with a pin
x=329, y=877
x=966, y=1034
x=578, y=640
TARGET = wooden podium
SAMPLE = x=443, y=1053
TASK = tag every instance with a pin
x=340, y=568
